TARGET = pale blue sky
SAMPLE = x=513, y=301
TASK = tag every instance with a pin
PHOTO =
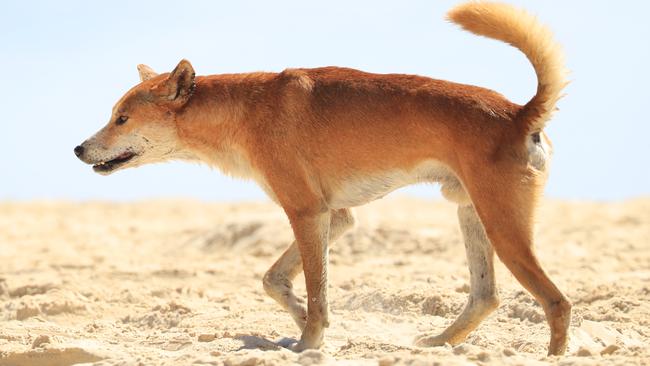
x=64, y=64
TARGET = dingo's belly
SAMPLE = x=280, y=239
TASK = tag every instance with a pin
x=358, y=190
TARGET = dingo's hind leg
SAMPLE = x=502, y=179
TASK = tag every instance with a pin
x=277, y=280
x=504, y=198
x=483, y=297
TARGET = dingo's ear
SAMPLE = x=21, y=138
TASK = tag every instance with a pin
x=146, y=72
x=178, y=86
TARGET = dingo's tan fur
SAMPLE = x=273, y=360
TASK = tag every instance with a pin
x=320, y=141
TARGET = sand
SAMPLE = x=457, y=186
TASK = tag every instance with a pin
x=179, y=283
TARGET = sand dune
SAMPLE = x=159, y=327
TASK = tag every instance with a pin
x=179, y=282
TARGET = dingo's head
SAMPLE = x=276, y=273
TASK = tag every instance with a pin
x=142, y=128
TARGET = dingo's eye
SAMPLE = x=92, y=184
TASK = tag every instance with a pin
x=121, y=120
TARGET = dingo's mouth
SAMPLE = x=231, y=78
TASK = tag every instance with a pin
x=110, y=165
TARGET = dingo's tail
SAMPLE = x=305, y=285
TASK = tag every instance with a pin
x=523, y=31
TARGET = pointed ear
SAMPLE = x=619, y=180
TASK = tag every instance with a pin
x=146, y=72
x=179, y=85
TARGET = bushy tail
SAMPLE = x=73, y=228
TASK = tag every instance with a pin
x=523, y=31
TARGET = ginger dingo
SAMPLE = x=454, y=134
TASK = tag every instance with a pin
x=319, y=141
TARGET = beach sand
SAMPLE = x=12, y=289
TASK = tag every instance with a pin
x=180, y=283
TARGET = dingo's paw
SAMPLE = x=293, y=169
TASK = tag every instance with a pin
x=428, y=340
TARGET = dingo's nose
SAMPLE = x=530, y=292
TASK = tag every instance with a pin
x=79, y=150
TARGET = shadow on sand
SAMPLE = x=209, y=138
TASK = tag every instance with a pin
x=256, y=342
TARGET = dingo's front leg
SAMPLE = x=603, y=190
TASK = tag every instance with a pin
x=312, y=235
x=277, y=280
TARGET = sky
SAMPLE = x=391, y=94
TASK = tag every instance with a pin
x=65, y=63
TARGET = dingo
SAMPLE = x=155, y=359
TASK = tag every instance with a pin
x=319, y=141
